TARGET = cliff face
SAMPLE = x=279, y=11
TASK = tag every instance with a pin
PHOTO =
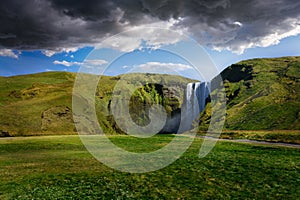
x=165, y=90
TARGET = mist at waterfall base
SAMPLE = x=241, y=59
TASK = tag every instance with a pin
x=193, y=104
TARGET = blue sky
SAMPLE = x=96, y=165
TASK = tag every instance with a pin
x=36, y=61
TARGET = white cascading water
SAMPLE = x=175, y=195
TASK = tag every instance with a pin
x=194, y=103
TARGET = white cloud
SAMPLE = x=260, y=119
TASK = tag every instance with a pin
x=8, y=53
x=66, y=63
x=288, y=28
x=154, y=35
x=238, y=23
x=159, y=67
x=275, y=37
x=50, y=53
x=95, y=62
x=95, y=66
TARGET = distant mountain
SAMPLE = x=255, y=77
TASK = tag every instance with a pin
x=261, y=94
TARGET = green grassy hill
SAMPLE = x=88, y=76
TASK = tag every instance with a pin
x=261, y=94
x=41, y=104
x=30, y=103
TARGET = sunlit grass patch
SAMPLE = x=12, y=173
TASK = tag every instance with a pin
x=53, y=167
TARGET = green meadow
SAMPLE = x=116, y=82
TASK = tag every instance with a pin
x=263, y=101
x=59, y=167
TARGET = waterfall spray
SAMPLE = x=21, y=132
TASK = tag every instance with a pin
x=193, y=105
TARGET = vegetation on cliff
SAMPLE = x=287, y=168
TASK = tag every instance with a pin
x=41, y=104
x=261, y=94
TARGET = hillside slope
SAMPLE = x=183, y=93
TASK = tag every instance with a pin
x=30, y=103
x=40, y=104
x=261, y=94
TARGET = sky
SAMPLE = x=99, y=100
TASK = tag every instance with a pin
x=52, y=35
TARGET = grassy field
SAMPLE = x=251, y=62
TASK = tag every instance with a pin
x=59, y=167
x=284, y=136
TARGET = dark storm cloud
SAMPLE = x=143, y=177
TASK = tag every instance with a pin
x=229, y=24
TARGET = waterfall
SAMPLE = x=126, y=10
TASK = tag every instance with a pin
x=194, y=103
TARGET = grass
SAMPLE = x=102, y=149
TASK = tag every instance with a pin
x=41, y=103
x=25, y=98
x=59, y=167
x=261, y=94
x=284, y=136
